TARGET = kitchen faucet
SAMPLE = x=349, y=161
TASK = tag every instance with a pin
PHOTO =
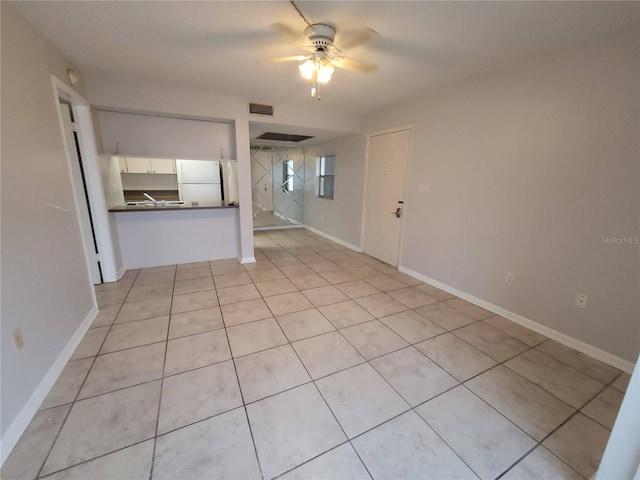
x=155, y=202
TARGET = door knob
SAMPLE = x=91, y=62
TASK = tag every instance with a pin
x=397, y=213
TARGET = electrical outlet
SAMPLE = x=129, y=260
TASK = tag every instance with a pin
x=424, y=188
x=17, y=339
x=581, y=300
x=509, y=278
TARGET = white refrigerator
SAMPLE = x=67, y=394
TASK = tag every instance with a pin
x=199, y=180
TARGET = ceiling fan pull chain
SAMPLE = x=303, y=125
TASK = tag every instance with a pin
x=315, y=87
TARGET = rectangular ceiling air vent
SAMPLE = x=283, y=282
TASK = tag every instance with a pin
x=260, y=109
x=283, y=137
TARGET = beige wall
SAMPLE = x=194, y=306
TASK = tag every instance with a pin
x=46, y=291
x=340, y=217
x=529, y=168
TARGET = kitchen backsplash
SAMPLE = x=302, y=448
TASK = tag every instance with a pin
x=138, y=195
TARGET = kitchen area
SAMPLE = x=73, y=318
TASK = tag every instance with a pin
x=177, y=182
x=171, y=187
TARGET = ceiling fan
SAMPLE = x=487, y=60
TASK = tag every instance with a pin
x=325, y=55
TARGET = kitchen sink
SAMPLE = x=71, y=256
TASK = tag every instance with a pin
x=159, y=203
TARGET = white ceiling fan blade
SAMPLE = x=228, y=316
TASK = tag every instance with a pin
x=292, y=58
x=290, y=33
x=357, y=38
x=354, y=65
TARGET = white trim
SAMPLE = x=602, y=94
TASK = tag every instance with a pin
x=333, y=239
x=121, y=273
x=89, y=157
x=82, y=209
x=560, y=337
x=247, y=259
x=30, y=408
x=403, y=221
x=99, y=207
x=276, y=227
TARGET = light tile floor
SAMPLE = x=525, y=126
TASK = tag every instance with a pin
x=314, y=362
x=262, y=218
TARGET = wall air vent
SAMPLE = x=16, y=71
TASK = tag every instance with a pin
x=260, y=109
x=283, y=137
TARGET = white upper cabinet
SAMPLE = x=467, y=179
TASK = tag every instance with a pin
x=147, y=165
x=127, y=134
x=163, y=165
x=138, y=165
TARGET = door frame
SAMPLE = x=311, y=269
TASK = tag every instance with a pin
x=95, y=192
x=79, y=190
x=401, y=128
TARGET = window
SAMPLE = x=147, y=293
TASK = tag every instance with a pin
x=326, y=173
x=287, y=176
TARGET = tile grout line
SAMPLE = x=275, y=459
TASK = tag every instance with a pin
x=244, y=405
x=530, y=347
x=289, y=343
x=554, y=430
x=348, y=440
x=75, y=400
x=579, y=410
x=164, y=365
x=368, y=361
x=411, y=408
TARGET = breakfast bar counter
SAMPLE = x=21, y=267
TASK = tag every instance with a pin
x=156, y=235
x=150, y=206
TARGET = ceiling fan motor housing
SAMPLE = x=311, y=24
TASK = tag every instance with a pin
x=321, y=35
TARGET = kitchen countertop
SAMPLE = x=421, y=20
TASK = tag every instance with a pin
x=187, y=206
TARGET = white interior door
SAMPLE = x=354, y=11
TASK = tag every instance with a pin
x=80, y=194
x=386, y=167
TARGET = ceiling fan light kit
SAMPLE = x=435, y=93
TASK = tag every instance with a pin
x=319, y=67
x=326, y=56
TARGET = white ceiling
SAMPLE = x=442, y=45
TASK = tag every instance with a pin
x=214, y=46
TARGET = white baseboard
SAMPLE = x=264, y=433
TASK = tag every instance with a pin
x=276, y=227
x=121, y=272
x=20, y=423
x=560, y=337
x=247, y=259
x=333, y=239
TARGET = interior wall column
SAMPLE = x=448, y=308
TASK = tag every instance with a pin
x=244, y=191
